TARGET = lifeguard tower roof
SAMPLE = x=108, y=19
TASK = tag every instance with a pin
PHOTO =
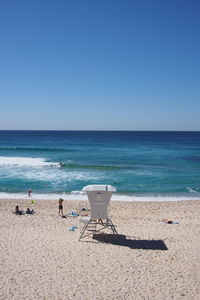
x=99, y=188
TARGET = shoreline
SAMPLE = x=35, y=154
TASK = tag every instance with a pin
x=79, y=196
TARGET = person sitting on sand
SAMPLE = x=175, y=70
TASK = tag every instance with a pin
x=60, y=207
x=30, y=212
x=18, y=211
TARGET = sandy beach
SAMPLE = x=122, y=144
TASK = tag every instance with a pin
x=41, y=259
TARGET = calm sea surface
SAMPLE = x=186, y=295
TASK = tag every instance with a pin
x=139, y=164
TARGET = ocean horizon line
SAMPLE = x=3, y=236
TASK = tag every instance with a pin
x=99, y=130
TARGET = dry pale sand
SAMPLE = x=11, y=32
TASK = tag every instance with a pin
x=41, y=259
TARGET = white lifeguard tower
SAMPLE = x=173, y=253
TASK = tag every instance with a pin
x=99, y=198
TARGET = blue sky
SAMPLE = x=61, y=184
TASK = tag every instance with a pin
x=100, y=64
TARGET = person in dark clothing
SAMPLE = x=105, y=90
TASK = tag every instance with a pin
x=60, y=207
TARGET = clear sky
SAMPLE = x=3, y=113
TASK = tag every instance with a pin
x=100, y=64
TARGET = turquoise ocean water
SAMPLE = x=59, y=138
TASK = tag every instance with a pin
x=142, y=165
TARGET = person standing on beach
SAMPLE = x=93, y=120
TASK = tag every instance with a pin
x=60, y=207
x=29, y=193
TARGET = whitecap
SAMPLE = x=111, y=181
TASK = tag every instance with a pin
x=26, y=161
x=191, y=190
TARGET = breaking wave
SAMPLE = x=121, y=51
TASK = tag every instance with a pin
x=26, y=161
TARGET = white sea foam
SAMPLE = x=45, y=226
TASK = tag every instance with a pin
x=27, y=168
x=51, y=175
x=191, y=190
x=78, y=195
x=25, y=161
